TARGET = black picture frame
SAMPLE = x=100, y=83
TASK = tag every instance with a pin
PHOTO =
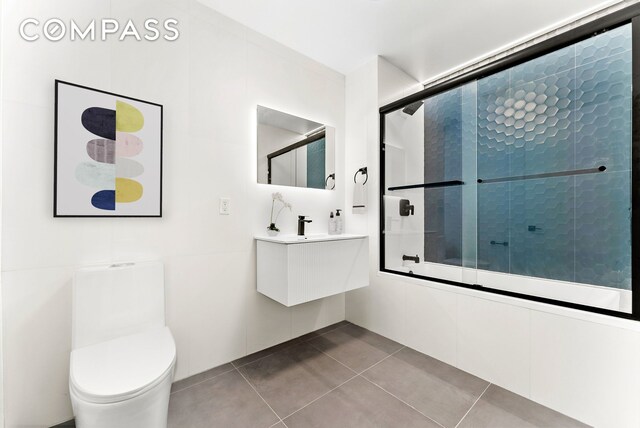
x=56, y=162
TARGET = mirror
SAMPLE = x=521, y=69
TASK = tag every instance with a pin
x=293, y=151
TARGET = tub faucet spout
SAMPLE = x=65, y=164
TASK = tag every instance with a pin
x=415, y=258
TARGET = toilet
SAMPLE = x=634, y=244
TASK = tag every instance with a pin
x=123, y=355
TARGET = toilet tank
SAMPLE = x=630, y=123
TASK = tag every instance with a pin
x=116, y=300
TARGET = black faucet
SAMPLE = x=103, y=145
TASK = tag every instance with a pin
x=415, y=258
x=301, y=222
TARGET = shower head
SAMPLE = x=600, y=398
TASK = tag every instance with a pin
x=412, y=108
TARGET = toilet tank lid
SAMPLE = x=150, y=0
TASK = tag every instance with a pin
x=122, y=368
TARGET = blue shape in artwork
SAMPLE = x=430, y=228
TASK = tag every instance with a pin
x=100, y=121
x=104, y=200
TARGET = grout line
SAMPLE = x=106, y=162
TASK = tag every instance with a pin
x=326, y=393
x=262, y=398
x=362, y=371
x=402, y=401
x=388, y=356
x=204, y=380
x=474, y=403
x=337, y=361
x=356, y=374
x=289, y=346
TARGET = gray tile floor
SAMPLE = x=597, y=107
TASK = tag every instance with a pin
x=346, y=376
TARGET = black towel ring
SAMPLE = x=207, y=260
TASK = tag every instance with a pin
x=326, y=181
x=362, y=171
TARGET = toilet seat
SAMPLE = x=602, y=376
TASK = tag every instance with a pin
x=122, y=368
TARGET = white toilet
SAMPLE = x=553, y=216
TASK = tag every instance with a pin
x=123, y=356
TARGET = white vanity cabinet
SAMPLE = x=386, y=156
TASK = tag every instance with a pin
x=293, y=270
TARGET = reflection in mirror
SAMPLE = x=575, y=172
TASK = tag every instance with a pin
x=293, y=151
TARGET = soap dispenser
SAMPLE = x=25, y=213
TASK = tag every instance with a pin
x=339, y=223
x=332, y=224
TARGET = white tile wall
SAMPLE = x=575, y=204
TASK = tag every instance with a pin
x=361, y=133
x=317, y=314
x=493, y=342
x=37, y=343
x=209, y=83
x=200, y=306
x=586, y=369
x=431, y=324
x=1, y=132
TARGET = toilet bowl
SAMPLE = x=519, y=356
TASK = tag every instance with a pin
x=123, y=356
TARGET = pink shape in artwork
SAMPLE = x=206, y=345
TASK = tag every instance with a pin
x=127, y=145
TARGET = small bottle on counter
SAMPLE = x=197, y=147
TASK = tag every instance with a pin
x=339, y=223
x=333, y=226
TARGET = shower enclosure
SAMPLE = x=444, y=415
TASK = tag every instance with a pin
x=520, y=178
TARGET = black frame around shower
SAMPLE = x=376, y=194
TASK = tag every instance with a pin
x=311, y=139
x=624, y=16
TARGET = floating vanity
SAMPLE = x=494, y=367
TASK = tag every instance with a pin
x=294, y=269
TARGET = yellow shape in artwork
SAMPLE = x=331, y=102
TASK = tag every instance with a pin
x=128, y=118
x=127, y=190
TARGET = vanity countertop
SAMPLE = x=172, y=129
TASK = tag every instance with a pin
x=295, y=239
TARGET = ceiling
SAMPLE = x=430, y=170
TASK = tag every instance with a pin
x=423, y=37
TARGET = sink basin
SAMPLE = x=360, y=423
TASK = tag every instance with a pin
x=318, y=237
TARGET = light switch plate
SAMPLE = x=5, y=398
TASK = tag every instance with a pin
x=225, y=206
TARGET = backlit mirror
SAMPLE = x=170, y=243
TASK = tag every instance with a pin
x=293, y=151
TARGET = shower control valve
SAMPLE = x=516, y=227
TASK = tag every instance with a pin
x=406, y=209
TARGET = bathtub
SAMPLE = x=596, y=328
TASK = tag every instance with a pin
x=584, y=294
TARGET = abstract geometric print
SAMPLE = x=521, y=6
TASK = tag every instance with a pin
x=111, y=168
x=108, y=154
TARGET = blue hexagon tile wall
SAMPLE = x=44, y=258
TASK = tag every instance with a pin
x=567, y=110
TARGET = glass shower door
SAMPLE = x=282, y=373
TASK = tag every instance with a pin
x=519, y=181
x=554, y=165
x=430, y=187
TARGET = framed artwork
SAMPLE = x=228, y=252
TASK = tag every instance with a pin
x=108, y=154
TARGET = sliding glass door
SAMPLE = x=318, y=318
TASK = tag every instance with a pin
x=519, y=180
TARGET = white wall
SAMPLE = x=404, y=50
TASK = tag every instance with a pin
x=1, y=145
x=584, y=365
x=404, y=159
x=209, y=82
